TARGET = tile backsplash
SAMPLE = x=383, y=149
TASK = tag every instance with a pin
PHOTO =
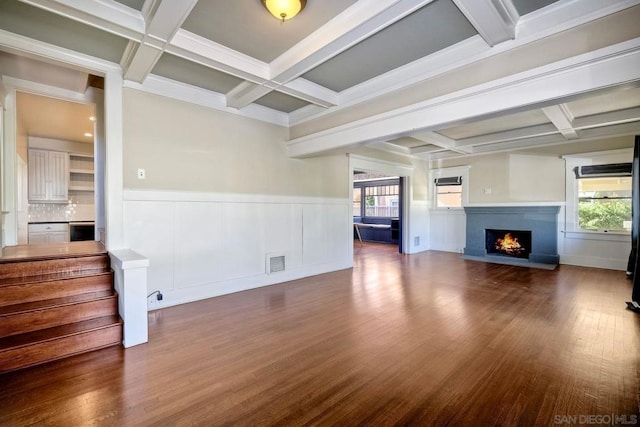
x=79, y=208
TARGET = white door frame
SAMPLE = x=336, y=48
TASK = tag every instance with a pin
x=113, y=177
x=392, y=169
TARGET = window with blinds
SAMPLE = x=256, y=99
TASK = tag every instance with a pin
x=604, y=197
x=448, y=191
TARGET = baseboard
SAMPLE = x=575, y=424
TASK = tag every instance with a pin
x=596, y=262
x=210, y=290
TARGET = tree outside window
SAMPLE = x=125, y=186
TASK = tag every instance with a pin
x=604, y=203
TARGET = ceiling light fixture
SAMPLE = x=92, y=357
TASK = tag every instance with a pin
x=88, y=135
x=284, y=9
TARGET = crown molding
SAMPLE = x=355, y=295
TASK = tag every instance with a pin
x=181, y=91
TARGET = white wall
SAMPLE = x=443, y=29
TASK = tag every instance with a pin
x=205, y=244
x=221, y=196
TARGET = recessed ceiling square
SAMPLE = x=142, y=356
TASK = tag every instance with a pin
x=430, y=29
x=247, y=27
x=36, y=23
x=134, y=4
x=527, y=6
x=173, y=67
x=281, y=102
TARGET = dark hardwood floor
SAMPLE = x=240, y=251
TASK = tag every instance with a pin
x=427, y=339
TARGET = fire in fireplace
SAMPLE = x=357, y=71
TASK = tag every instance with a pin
x=513, y=243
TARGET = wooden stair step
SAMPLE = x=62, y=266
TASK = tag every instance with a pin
x=55, y=285
x=19, y=351
x=31, y=316
x=48, y=277
x=39, y=267
x=50, y=251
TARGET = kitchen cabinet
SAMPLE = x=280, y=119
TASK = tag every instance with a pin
x=51, y=232
x=48, y=176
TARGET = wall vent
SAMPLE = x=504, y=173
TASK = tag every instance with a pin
x=275, y=264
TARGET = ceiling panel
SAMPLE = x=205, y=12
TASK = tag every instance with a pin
x=408, y=142
x=281, y=102
x=528, y=6
x=135, y=4
x=53, y=118
x=24, y=68
x=615, y=100
x=433, y=27
x=498, y=124
x=173, y=67
x=247, y=27
x=38, y=24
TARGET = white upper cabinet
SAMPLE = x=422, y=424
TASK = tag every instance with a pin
x=48, y=176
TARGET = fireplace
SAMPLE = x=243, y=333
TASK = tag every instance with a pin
x=535, y=227
x=511, y=243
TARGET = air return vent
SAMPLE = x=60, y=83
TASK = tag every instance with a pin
x=275, y=263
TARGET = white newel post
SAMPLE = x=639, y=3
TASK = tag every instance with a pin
x=131, y=284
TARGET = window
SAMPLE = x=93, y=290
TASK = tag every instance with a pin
x=376, y=198
x=381, y=201
x=604, y=197
x=448, y=192
x=357, y=201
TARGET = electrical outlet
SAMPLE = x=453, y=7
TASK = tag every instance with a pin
x=416, y=241
x=142, y=174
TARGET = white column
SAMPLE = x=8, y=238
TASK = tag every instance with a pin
x=131, y=284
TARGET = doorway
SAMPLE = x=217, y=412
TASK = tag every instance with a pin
x=55, y=126
x=377, y=208
x=400, y=204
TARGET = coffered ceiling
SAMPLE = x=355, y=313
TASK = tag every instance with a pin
x=390, y=74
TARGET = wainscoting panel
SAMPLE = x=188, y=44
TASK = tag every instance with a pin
x=447, y=230
x=150, y=231
x=243, y=240
x=588, y=251
x=323, y=233
x=199, y=245
x=202, y=245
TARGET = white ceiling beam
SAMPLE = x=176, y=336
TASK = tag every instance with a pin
x=107, y=15
x=494, y=20
x=562, y=118
x=148, y=33
x=203, y=51
x=607, y=67
x=553, y=19
x=310, y=92
x=548, y=140
x=605, y=119
x=509, y=135
x=246, y=93
x=389, y=147
x=163, y=20
x=441, y=141
x=361, y=20
x=423, y=149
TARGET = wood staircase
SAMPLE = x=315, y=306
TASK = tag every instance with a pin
x=55, y=301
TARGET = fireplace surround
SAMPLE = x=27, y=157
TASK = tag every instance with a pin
x=540, y=221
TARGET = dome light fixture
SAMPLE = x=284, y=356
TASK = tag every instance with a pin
x=284, y=9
